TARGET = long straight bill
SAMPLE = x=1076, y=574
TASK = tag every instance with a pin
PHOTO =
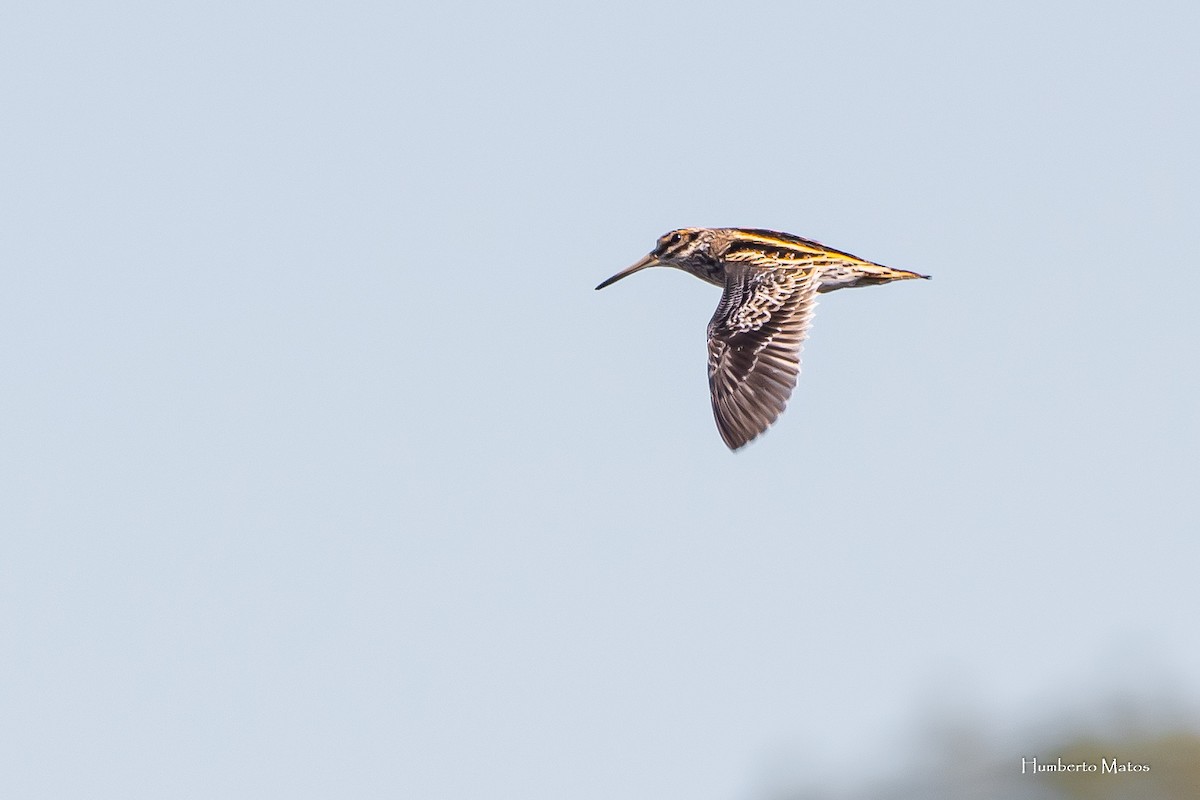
x=648, y=261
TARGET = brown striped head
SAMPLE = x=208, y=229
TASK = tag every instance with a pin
x=679, y=245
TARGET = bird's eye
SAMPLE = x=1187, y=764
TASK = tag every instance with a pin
x=668, y=241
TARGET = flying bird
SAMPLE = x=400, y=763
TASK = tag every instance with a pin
x=771, y=281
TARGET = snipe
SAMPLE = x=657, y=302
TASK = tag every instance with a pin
x=771, y=281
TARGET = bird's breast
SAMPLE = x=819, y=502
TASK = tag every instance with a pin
x=709, y=271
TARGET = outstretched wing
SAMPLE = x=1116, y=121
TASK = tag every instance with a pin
x=754, y=342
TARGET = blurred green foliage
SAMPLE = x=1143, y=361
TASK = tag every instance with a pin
x=1173, y=760
x=970, y=766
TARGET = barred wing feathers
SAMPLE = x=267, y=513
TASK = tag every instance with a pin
x=754, y=342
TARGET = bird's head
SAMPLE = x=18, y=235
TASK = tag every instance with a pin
x=683, y=248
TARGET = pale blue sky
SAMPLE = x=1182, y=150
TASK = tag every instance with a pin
x=326, y=473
